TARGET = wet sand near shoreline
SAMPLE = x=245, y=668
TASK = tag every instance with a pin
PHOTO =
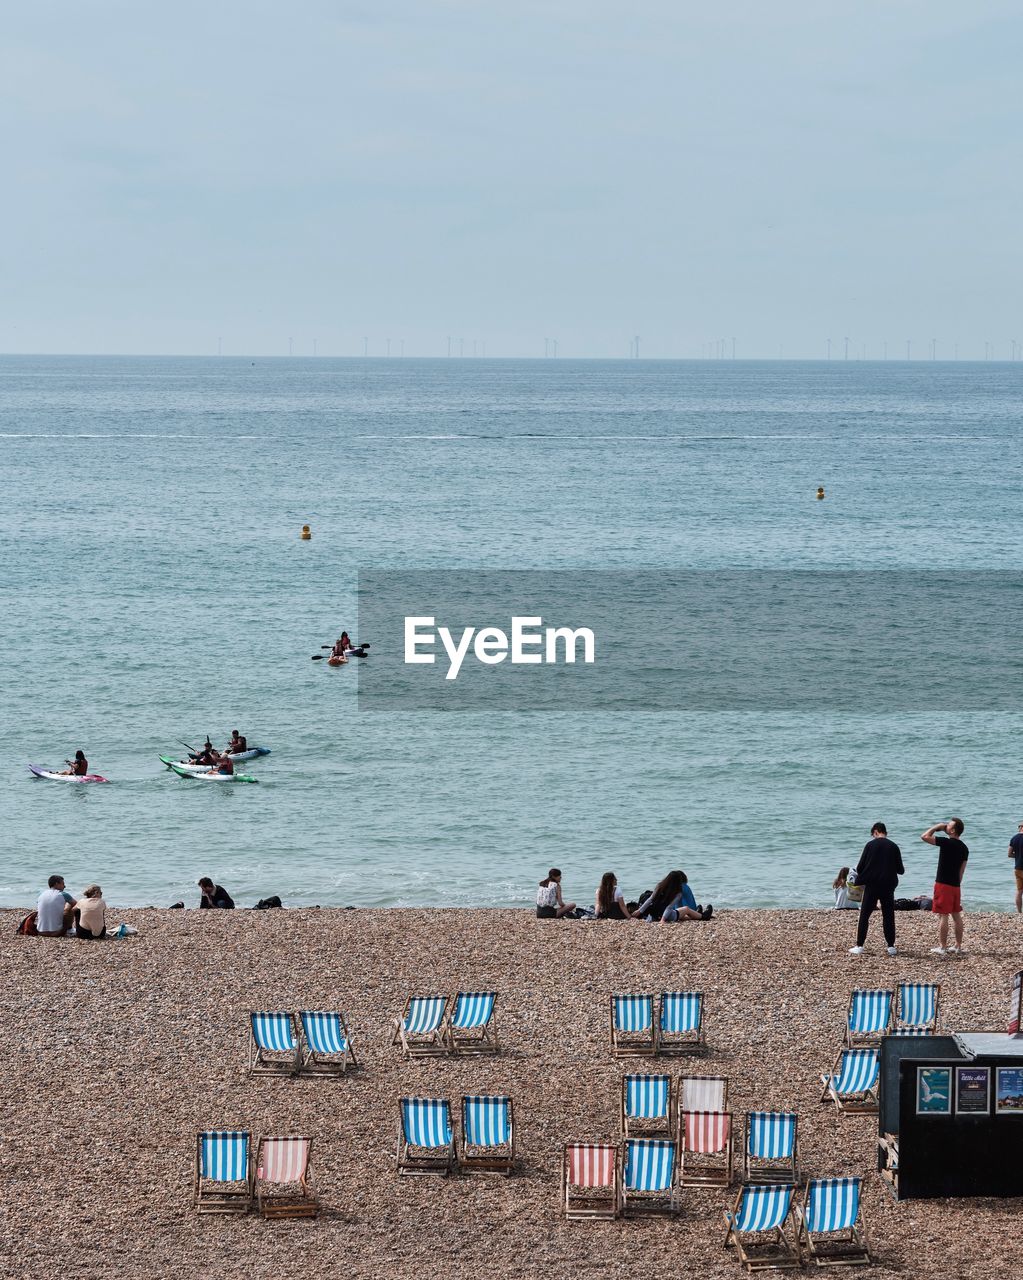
x=116, y=1054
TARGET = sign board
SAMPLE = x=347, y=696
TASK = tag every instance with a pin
x=973, y=1088
x=1016, y=1008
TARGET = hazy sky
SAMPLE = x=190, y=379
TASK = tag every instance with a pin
x=503, y=172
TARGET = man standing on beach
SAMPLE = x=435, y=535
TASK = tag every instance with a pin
x=1016, y=852
x=952, y=856
x=878, y=870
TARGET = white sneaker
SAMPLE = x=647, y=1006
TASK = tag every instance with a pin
x=892, y=951
x=938, y=951
x=952, y=949
x=856, y=951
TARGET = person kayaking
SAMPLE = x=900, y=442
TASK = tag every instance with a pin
x=344, y=642
x=237, y=743
x=79, y=766
x=339, y=652
x=208, y=755
x=225, y=765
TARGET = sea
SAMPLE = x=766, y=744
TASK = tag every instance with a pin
x=155, y=589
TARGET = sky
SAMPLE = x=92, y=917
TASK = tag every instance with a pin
x=253, y=177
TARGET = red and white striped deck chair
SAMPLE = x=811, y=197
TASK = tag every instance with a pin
x=590, y=1180
x=705, y=1143
x=282, y=1178
x=703, y=1093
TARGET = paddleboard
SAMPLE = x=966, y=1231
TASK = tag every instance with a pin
x=185, y=771
x=53, y=776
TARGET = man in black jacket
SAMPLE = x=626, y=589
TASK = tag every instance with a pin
x=878, y=870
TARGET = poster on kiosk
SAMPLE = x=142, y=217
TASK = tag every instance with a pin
x=1016, y=1008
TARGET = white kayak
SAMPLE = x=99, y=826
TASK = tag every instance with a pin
x=53, y=776
x=186, y=771
x=253, y=753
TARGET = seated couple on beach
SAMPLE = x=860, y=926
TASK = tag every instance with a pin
x=58, y=914
x=670, y=901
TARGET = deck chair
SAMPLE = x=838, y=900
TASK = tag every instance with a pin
x=472, y=1023
x=273, y=1045
x=328, y=1042
x=426, y=1142
x=646, y=1106
x=649, y=1181
x=869, y=1018
x=590, y=1185
x=223, y=1172
x=282, y=1178
x=488, y=1134
x=633, y=1031
x=422, y=1028
x=681, y=1023
x=772, y=1147
x=756, y=1226
x=917, y=1009
x=852, y=1082
x=830, y=1226
x=703, y=1093
x=705, y=1144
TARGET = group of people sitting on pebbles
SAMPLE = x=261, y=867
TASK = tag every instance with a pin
x=670, y=901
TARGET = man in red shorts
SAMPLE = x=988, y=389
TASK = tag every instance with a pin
x=952, y=856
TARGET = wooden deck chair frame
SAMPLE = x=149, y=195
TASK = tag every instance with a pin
x=849, y=1103
x=427, y=1161
x=636, y=1203
x=771, y=1169
x=583, y=1204
x=705, y=1169
x=317, y=1063
x=229, y=1197
x=678, y=1043
x=286, y=1062
x=777, y=1251
x=888, y=1147
x=479, y=1039
x=644, y=1126
x=634, y=1044
x=500, y=1159
x=684, y=1102
x=286, y=1203
x=847, y=1248
x=900, y=1028
x=430, y=1044
x=867, y=1039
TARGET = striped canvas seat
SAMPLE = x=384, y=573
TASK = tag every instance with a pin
x=273, y=1045
x=632, y=1025
x=472, y=1026
x=870, y=1016
x=772, y=1150
x=830, y=1227
x=703, y=1093
x=282, y=1178
x=328, y=1042
x=756, y=1227
x=852, y=1084
x=648, y=1180
x=487, y=1133
x=918, y=1008
x=706, y=1142
x=589, y=1180
x=426, y=1142
x=223, y=1172
x=646, y=1104
x=422, y=1027
x=681, y=1025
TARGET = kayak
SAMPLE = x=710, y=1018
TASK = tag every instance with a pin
x=336, y=662
x=53, y=776
x=251, y=754
x=184, y=771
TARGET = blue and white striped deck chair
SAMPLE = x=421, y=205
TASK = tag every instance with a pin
x=273, y=1044
x=426, y=1140
x=223, y=1172
x=681, y=1026
x=649, y=1180
x=422, y=1028
x=647, y=1106
x=488, y=1133
x=917, y=1013
x=756, y=1226
x=830, y=1224
x=869, y=1018
x=852, y=1082
x=472, y=1023
x=633, y=1030
x=328, y=1042
x=772, y=1147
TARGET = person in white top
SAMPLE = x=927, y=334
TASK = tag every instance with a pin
x=91, y=919
x=610, y=903
x=844, y=900
x=549, y=903
x=54, y=910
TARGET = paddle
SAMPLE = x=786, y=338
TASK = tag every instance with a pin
x=317, y=657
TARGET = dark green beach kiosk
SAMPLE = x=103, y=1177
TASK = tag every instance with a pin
x=951, y=1112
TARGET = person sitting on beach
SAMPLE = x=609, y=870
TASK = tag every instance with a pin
x=611, y=904
x=79, y=766
x=54, y=910
x=91, y=915
x=237, y=743
x=843, y=899
x=673, y=900
x=214, y=896
x=549, y=903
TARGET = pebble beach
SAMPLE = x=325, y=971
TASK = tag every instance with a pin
x=117, y=1054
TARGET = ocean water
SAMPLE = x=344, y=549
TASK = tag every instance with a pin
x=154, y=589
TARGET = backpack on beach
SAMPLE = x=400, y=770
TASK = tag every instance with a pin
x=27, y=928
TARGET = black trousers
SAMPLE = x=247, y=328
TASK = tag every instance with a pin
x=874, y=895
